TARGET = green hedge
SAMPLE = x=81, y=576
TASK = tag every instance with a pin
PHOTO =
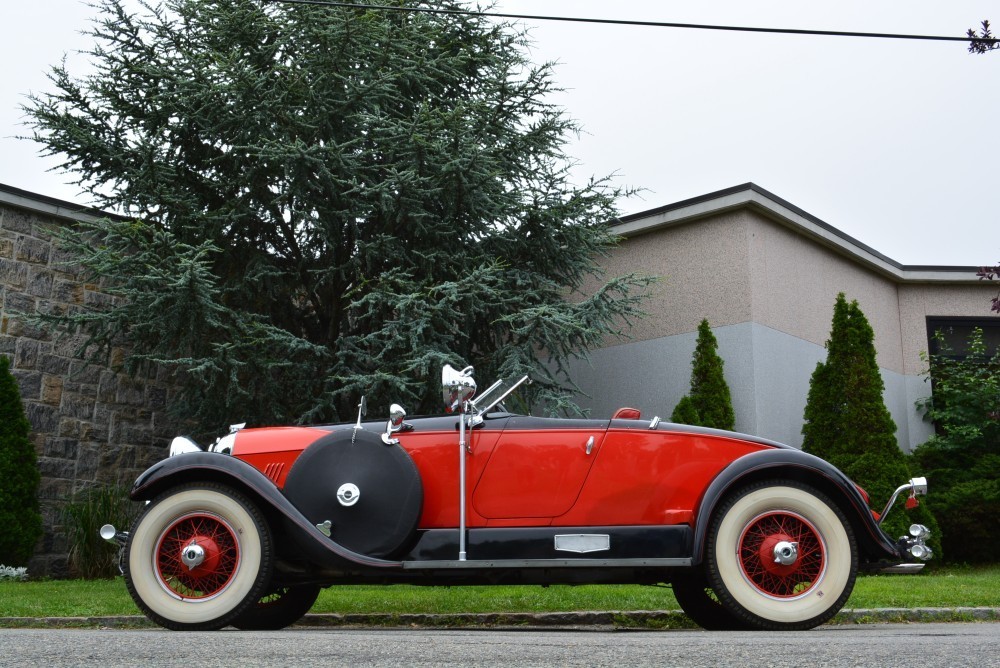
x=20, y=521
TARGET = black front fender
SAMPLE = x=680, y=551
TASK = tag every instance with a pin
x=790, y=464
x=215, y=467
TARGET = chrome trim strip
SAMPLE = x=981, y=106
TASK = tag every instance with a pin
x=547, y=563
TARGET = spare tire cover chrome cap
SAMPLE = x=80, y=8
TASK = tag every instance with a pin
x=348, y=494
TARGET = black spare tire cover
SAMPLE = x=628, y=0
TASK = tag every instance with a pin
x=384, y=515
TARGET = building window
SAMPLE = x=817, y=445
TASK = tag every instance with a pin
x=955, y=332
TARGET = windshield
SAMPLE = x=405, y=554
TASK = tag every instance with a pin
x=496, y=393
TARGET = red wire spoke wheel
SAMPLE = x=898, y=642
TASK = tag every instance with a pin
x=780, y=556
x=198, y=557
x=769, y=536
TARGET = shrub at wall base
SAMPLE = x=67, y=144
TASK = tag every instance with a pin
x=90, y=556
x=685, y=412
x=20, y=521
x=709, y=404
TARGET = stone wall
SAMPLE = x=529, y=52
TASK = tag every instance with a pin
x=91, y=424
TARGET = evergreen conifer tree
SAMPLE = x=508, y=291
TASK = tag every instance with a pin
x=710, y=402
x=685, y=412
x=847, y=422
x=325, y=202
x=20, y=521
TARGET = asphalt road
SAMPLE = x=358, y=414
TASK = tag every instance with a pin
x=879, y=646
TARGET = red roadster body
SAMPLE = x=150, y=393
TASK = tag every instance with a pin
x=749, y=532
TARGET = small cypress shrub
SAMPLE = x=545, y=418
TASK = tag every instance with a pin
x=20, y=521
x=709, y=404
x=685, y=412
x=847, y=423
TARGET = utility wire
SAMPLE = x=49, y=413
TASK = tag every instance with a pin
x=648, y=24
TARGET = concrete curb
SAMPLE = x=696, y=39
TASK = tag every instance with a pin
x=654, y=619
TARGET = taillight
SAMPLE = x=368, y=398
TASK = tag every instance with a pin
x=868, y=500
x=863, y=493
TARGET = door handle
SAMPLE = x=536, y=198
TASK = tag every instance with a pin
x=590, y=444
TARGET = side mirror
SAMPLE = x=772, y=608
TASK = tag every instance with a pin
x=396, y=415
x=457, y=387
x=395, y=424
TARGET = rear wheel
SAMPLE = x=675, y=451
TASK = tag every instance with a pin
x=197, y=557
x=279, y=608
x=781, y=556
x=699, y=602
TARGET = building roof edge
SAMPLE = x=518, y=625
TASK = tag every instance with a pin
x=751, y=196
x=51, y=206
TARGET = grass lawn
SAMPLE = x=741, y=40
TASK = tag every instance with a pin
x=942, y=587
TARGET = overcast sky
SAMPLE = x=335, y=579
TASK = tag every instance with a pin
x=896, y=143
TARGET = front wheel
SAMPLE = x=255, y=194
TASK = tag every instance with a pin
x=197, y=557
x=781, y=556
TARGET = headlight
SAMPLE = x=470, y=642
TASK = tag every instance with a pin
x=225, y=444
x=181, y=445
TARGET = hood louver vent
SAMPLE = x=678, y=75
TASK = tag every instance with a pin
x=273, y=470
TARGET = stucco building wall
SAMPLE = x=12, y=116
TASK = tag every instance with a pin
x=766, y=275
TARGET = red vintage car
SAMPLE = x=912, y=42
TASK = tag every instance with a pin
x=751, y=534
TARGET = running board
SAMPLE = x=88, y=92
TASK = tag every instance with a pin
x=548, y=563
x=545, y=545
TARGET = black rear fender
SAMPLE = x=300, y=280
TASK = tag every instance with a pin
x=795, y=465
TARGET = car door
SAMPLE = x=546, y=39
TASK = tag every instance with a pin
x=537, y=467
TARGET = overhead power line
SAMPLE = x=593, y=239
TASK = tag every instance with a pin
x=647, y=24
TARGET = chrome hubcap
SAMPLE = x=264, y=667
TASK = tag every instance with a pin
x=785, y=553
x=193, y=555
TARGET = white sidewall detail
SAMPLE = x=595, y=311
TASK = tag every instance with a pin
x=822, y=595
x=142, y=556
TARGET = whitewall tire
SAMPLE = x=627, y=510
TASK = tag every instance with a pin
x=780, y=555
x=198, y=556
